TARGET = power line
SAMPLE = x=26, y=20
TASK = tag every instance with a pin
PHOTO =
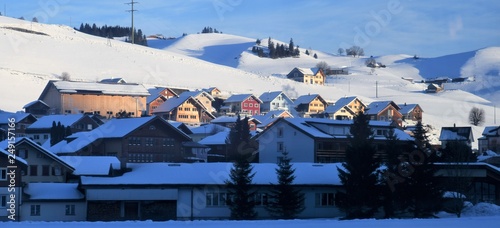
x=131, y=3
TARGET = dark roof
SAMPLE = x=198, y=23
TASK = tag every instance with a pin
x=456, y=133
x=241, y=98
x=35, y=102
x=306, y=99
x=407, y=108
x=376, y=107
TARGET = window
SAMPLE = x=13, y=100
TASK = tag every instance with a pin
x=3, y=201
x=56, y=171
x=260, y=199
x=36, y=136
x=216, y=199
x=45, y=170
x=325, y=199
x=70, y=209
x=45, y=136
x=251, y=105
x=280, y=132
x=281, y=147
x=23, y=153
x=67, y=111
x=168, y=142
x=89, y=127
x=35, y=210
x=245, y=105
x=3, y=174
x=33, y=170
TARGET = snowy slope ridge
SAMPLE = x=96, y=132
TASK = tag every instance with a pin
x=29, y=60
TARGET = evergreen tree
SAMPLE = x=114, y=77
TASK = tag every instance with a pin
x=307, y=52
x=67, y=132
x=424, y=189
x=53, y=133
x=359, y=172
x=291, y=47
x=315, y=56
x=240, y=195
x=285, y=201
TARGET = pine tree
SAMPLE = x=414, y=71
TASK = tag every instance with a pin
x=285, y=201
x=240, y=195
x=291, y=47
x=53, y=133
x=315, y=56
x=359, y=172
x=425, y=191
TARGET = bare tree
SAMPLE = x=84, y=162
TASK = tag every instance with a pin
x=65, y=76
x=355, y=51
x=340, y=51
x=476, y=116
x=323, y=66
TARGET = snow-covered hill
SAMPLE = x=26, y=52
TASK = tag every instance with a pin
x=29, y=60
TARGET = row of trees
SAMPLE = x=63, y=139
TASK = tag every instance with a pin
x=277, y=50
x=210, y=30
x=113, y=31
x=58, y=132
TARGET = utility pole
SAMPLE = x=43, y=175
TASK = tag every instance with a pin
x=495, y=114
x=131, y=3
x=376, y=89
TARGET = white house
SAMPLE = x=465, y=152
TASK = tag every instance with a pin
x=197, y=191
x=276, y=100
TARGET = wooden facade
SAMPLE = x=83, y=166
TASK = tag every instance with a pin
x=307, y=76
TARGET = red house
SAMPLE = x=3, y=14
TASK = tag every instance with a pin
x=245, y=104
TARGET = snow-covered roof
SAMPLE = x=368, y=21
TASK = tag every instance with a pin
x=308, y=71
x=45, y=122
x=269, y=96
x=240, y=98
x=155, y=93
x=100, y=88
x=491, y=131
x=17, y=158
x=113, y=80
x=456, y=133
x=209, y=90
x=231, y=119
x=19, y=140
x=18, y=116
x=114, y=128
x=306, y=99
x=34, y=102
x=53, y=191
x=340, y=103
x=214, y=174
x=171, y=104
x=197, y=93
x=376, y=107
x=92, y=165
x=270, y=117
x=407, y=108
x=216, y=139
x=207, y=128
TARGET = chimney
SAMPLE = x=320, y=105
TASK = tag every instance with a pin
x=454, y=125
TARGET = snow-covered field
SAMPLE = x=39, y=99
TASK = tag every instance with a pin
x=196, y=61
x=478, y=215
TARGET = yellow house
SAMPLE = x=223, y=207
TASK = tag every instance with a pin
x=345, y=108
x=313, y=76
x=310, y=104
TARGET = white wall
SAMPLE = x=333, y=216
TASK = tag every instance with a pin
x=299, y=146
x=54, y=211
x=4, y=191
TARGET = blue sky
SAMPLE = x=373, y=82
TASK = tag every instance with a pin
x=426, y=28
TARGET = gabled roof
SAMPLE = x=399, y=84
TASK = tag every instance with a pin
x=270, y=117
x=197, y=93
x=17, y=116
x=232, y=119
x=240, y=98
x=96, y=88
x=114, y=128
x=203, y=174
x=35, y=102
x=209, y=90
x=180, y=126
x=174, y=102
x=45, y=122
x=218, y=138
x=341, y=103
x=48, y=153
x=433, y=86
x=491, y=131
x=270, y=96
x=335, y=108
x=156, y=92
x=408, y=108
x=92, y=165
x=309, y=127
x=308, y=71
x=306, y=99
x=53, y=191
x=17, y=158
x=113, y=80
x=456, y=133
x=376, y=107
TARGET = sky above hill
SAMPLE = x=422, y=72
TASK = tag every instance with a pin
x=426, y=28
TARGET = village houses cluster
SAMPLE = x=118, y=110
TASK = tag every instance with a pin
x=134, y=153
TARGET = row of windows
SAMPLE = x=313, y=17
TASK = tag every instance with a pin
x=316, y=105
x=136, y=141
x=323, y=199
x=35, y=210
x=250, y=105
x=47, y=170
x=38, y=136
x=141, y=158
x=194, y=109
x=187, y=116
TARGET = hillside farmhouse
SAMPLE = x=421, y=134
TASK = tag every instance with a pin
x=313, y=76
